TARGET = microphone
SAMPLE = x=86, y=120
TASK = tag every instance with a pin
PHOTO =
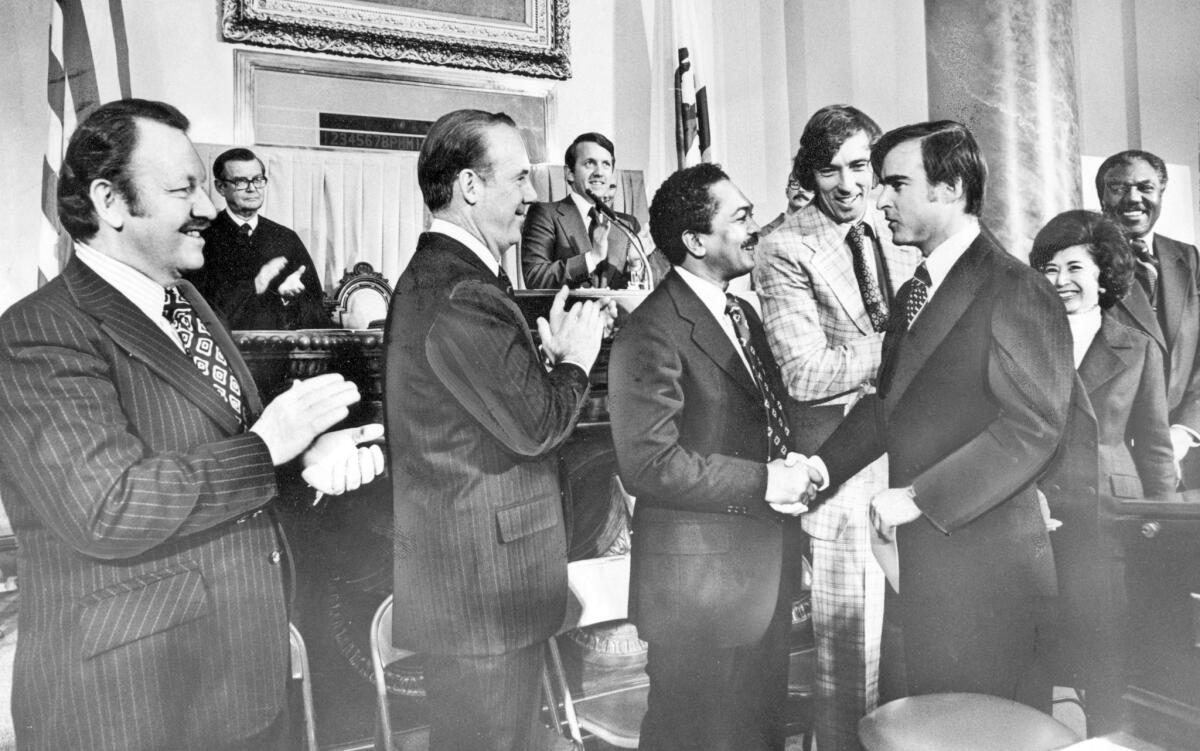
x=635, y=241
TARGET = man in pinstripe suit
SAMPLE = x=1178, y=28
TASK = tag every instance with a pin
x=825, y=326
x=152, y=606
x=475, y=421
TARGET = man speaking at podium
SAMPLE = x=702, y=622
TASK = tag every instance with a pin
x=573, y=241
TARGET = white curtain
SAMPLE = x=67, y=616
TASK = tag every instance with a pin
x=347, y=206
x=351, y=206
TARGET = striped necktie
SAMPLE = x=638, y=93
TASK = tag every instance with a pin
x=778, y=433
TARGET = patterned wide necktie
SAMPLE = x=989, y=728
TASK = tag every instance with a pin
x=203, y=349
x=913, y=294
x=868, y=285
x=1148, y=266
x=778, y=433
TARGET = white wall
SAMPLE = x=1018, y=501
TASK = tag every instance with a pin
x=776, y=62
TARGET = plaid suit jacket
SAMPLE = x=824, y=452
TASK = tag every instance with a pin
x=152, y=605
x=817, y=324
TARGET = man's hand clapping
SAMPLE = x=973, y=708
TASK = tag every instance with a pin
x=267, y=274
x=291, y=422
x=574, y=335
x=336, y=463
x=292, y=285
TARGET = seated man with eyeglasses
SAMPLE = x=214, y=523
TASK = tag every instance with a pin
x=257, y=273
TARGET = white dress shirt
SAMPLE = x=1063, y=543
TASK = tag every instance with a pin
x=146, y=294
x=473, y=243
x=713, y=298
x=942, y=259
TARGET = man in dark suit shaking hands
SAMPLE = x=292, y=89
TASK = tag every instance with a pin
x=972, y=398
x=702, y=441
x=481, y=565
x=135, y=463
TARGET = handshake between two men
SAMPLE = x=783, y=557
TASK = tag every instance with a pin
x=792, y=483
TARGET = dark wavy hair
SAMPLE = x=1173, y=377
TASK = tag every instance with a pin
x=1129, y=157
x=1109, y=248
x=236, y=154
x=457, y=141
x=824, y=134
x=684, y=203
x=949, y=153
x=596, y=138
x=100, y=149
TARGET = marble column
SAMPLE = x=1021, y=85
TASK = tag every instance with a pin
x=1006, y=68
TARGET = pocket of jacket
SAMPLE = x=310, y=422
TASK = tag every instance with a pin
x=1126, y=486
x=523, y=519
x=141, y=606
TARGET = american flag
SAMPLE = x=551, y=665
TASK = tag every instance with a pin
x=89, y=64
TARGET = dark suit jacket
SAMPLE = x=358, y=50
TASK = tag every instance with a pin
x=152, y=604
x=972, y=401
x=474, y=423
x=690, y=433
x=1116, y=447
x=1176, y=327
x=230, y=265
x=554, y=240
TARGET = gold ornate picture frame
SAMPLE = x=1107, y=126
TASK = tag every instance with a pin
x=525, y=37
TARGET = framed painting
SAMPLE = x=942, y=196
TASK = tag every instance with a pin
x=524, y=37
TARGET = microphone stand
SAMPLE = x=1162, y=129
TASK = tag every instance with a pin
x=635, y=241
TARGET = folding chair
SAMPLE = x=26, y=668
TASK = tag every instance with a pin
x=301, y=673
x=383, y=653
x=599, y=593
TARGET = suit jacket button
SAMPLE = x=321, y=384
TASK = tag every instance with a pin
x=274, y=557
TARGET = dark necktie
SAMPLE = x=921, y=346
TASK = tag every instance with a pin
x=1148, y=266
x=868, y=285
x=913, y=294
x=505, y=282
x=778, y=432
x=593, y=224
x=201, y=347
x=244, y=233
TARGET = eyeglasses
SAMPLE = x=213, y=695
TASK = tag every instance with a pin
x=243, y=184
x=1146, y=187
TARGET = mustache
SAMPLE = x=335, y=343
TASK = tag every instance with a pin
x=196, y=225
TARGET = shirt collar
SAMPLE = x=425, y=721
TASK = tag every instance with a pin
x=252, y=221
x=711, y=295
x=583, y=204
x=142, y=291
x=473, y=243
x=944, y=256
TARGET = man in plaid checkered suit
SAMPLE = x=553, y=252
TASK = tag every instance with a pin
x=826, y=279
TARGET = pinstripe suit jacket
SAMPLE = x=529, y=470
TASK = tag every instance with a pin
x=150, y=618
x=474, y=421
x=818, y=327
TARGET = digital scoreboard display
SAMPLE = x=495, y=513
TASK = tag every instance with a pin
x=364, y=132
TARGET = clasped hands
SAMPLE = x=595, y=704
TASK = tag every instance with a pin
x=574, y=335
x=792, y=483
x=294, y=424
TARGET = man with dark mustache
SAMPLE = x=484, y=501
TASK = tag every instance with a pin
x=1166, y=301
x=703, y=442
x=136, y=464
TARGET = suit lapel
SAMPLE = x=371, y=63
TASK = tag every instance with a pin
x=1109, y=354
x=951, y=299
x=707, y=334
x=1136, y=309
x=131, y=330
x=1173, y=284
x=832, y=261
x=573, y=226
